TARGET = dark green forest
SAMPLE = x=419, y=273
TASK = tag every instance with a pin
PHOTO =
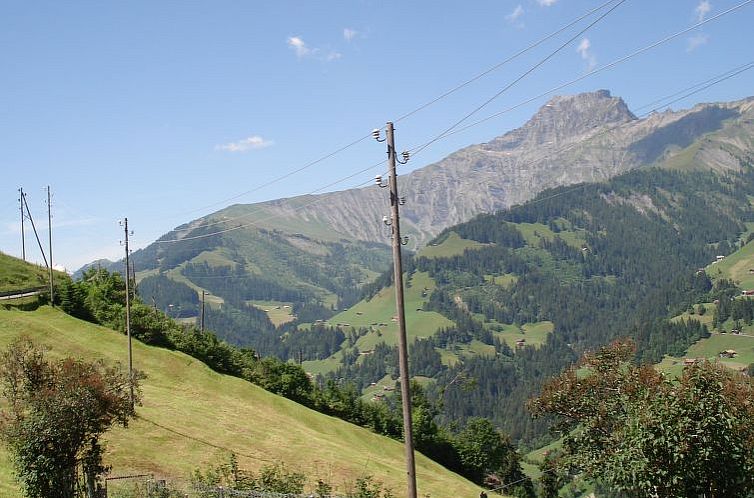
x=641, y=238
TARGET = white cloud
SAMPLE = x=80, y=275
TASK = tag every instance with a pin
x=702, y=10
x=299, y=46
x=585, y=51
x=514, y=16
x=696, y=41
x=302, y=50
x=546, y=3
x=583, y=48
x=249, y=143
x=349, y=34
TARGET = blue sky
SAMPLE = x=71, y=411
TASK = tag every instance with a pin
x=162, y=111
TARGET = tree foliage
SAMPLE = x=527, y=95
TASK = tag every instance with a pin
x=56, y=412
x=488, y=456
x=643, y=433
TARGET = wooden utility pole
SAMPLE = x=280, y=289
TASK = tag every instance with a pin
x=23, y=238
x=34, y=227
x=49, y=231
x=202, y=321
x=397, y=241
x=128, y=315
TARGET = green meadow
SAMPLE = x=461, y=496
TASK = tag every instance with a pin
x=192, y=417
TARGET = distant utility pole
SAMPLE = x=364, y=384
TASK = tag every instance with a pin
x=124, y=223
x=34, y=227
x=23, y=238
x=202, y=321
x=397, y=242
x=49, y=231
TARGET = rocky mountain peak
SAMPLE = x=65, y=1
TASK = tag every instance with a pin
x=565, y=118
x=564, y=143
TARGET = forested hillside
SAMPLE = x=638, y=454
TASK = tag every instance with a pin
x=245, y=272
x=569, y=271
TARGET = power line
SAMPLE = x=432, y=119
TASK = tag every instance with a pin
x=509, y=484
x=504, y=62
x=521, y=77
x=727, y=75
x=202, y=441
x=600, y=69
x=298, y=208
x=36, y=234
x=450, y=131
x=240, y=217
x=285, y=176
x=715, y=80
x=412, y=112
x=703, y=84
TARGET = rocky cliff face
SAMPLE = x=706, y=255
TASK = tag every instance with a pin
x=571, y=139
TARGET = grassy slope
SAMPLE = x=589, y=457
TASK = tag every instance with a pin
x=534, y=232
x=278, y=312
x=711, y=347
x=736, y=266
x=267, y=217
x=453, y=245
x=202, y=412
x=535, y=334
x=15, y=274
x=381, y=309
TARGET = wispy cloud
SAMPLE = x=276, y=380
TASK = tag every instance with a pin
x=547, y=3
x=696, y=41
x=515, y=16
x=702, y=10
x=246, y=144
x=298, y=45
x=349, y=34
x=302, y=50
x=585, y=51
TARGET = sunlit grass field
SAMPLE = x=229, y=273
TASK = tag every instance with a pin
x=192, y=417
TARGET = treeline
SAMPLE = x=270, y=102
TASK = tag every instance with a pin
x=245, y=325
x=176, y=299
x=731, y=308
x=363, y=369
x=235, y=285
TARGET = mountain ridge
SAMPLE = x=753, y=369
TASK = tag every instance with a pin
x=571, y=139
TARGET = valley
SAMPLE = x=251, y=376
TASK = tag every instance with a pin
x=495, y=305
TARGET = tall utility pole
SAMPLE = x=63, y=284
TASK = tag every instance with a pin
x=49, y=231
x=23, y=238
x=397, y=242
x=128, y=314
